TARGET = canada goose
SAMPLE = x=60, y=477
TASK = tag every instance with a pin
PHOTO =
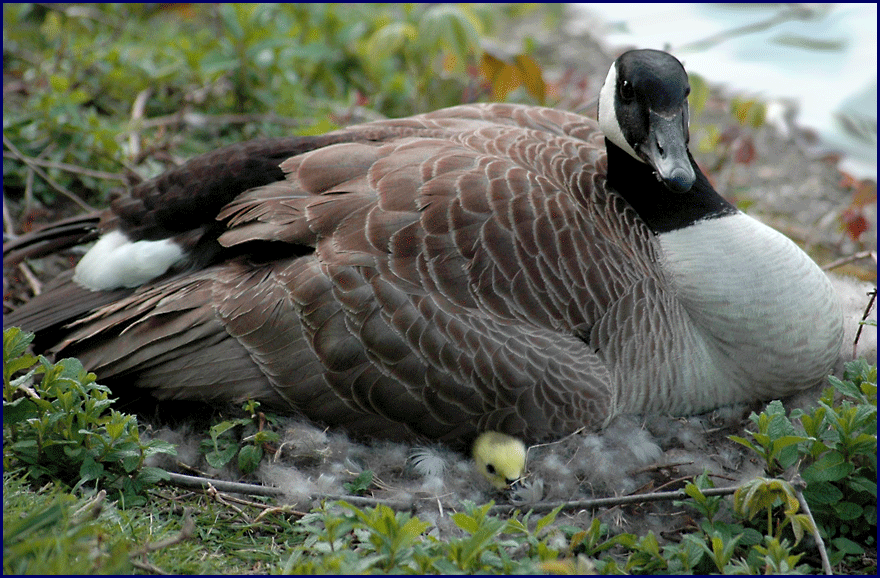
x=482, y=267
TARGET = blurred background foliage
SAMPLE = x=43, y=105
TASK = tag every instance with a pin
x=122, y=91
x=97, y=97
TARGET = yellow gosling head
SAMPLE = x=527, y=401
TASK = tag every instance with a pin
x=500, y=457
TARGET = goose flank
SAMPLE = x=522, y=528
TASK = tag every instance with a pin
x=483, y=267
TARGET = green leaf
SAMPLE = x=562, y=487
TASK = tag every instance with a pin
x=249, y=458
x=745, y=442
x=786, y=441
x=15, y=342
x=465, y=522
x=847, y=546
x=760, y=494
x=391, y=38
x=822, y=493
x=266, y=436
x=360, y=484
x=131, y=461
x=18, y=411
x=845, y=387
x=548, y=519
x=862, y=484
x=413, y=528
x=831, y=467
x=115, y=429
x=847, y=510
x=90, y=469
x=699, y=93
x=219, y=429
x=159, y=447
x=221, y=457
x=230, y=16
x=13, y=366
x=447, y=27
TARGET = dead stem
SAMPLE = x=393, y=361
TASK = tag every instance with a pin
x=29, y=162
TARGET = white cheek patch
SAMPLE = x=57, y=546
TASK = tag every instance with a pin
x=608, y=121
x=116, y=262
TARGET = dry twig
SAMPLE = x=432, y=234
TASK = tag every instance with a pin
x=29, y=162
x=873, y=296
x=187, y=531
x=137, y=113
x=75, y=169
x=35, y=284
x=850, y=259
x=616, y=501
x=799, y=484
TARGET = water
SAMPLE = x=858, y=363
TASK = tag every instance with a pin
x=826, y=63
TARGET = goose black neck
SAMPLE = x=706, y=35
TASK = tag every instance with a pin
x=663, y=210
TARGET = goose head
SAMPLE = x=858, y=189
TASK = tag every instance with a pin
x=643, y=110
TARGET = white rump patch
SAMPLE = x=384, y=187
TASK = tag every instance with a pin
x=116, y=262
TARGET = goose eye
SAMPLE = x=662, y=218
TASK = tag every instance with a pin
x=687, y=92
x=627, y=92
x=490, y=468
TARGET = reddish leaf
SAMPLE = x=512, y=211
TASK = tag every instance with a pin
x=745, y=151
x=184, y=10
x=854, y=223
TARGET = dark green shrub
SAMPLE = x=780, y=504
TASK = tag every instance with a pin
x=62, y=427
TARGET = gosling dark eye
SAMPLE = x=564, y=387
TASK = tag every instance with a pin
x=490, y=468
x=627, y=92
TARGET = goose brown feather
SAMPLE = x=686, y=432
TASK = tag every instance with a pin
x=436, y=301
x=439, y=276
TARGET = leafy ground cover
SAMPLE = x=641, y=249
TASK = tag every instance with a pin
x=73, y=464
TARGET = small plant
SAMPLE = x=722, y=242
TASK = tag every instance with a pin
x=360, y=485
x=777, y=558
x=842, y=472
x=775, y=441
x=537, y=545
x=62, y=427
x=375, y=540
x=762, y=494
x=837, y=444
x=248, y=445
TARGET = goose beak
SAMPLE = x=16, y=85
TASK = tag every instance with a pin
x=665, y=149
